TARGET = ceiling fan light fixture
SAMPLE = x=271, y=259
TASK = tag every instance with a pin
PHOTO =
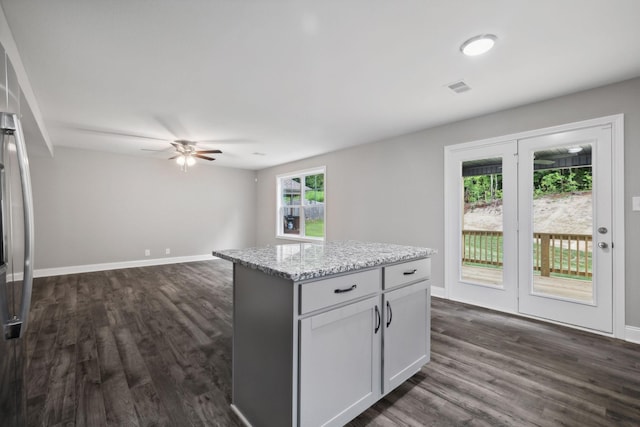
x=190, y=161
x=180, y=160
x=478, y=45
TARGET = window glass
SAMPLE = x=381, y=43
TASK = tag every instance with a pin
x=291, y=190
x=301, y=205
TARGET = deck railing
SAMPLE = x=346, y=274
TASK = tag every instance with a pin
x=560, y=253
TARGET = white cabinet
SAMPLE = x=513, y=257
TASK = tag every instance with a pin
x=340, y=352
x=407, y=272
x=320, y=352
x=352, y=355
x=407, y=327
x=338, y=290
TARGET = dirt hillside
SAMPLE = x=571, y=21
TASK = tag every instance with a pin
x=552, y=214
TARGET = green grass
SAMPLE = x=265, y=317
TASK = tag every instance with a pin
x=493, y=246
x=565, y=261
x=318, y=196
x=314, y=228
x=311, y=195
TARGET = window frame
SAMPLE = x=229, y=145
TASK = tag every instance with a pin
x=301, y=174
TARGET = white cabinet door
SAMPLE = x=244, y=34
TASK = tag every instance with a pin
x=340, y=363
x=407, y=329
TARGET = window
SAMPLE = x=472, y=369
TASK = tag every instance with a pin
x=301, y=205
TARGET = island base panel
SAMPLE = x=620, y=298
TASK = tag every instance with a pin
x=263, y=355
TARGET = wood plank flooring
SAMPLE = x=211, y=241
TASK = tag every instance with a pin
x=152, y=347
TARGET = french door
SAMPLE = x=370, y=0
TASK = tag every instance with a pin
x=565, y=248
x=529, y=225
x=482, y=223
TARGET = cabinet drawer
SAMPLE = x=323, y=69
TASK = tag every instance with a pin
x=406, y=272
x=328, y=292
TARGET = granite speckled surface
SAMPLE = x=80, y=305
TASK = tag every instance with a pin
x=305, y=261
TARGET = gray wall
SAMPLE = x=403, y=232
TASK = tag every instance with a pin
x=93, y=207
x=392, y=190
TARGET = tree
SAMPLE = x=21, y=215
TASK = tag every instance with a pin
x=488, y=188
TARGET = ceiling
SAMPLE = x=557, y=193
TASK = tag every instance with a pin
x=293, y=79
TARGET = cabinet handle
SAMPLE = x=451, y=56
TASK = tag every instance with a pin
x=409, y=273
x=390, y=314
x=342, y=291
x=378, y=321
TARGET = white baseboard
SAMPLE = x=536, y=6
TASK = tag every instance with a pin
x=58, y=271
x=245, y=421
x=438, y=292
x=632, y=334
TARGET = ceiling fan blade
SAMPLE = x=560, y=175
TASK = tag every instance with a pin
x=203, y=157
x=175, y=157
x=171, y=124
x=232, y=141
x=208, y=151
x=119, y=133
x=156, y=151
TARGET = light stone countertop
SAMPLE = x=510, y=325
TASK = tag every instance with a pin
x=305, y=261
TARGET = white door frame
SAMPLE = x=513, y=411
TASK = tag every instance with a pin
x=617, y=237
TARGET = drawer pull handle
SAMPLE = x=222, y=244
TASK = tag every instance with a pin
x=409, y=273
x=342, y=291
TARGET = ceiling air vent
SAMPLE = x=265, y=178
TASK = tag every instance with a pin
x=459, y=87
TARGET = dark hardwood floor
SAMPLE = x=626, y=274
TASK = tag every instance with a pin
x=152, y=346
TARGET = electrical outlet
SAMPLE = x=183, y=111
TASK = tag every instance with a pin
x=147, y=252
x=167, y=251
x=635, y=203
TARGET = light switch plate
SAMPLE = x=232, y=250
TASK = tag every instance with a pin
x=635, y=203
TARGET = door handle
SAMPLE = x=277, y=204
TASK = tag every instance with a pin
x=10, y=125
x=378, y=320
x=342, y=291
x=603, y=245
x=389, y=314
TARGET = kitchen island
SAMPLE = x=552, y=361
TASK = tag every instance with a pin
x=323, y=331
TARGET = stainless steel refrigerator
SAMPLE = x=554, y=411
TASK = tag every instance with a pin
x=16, y=268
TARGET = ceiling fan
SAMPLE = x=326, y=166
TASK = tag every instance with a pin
x=187, y=153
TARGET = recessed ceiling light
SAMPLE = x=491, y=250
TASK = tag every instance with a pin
x=478, y=45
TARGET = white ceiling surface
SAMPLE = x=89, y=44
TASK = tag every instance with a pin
x=293, y=79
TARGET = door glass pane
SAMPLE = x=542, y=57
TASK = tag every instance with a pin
x=482, y=243
x=563, y=223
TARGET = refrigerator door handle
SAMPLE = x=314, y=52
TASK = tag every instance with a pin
x=4, y=301
x=17, y=327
